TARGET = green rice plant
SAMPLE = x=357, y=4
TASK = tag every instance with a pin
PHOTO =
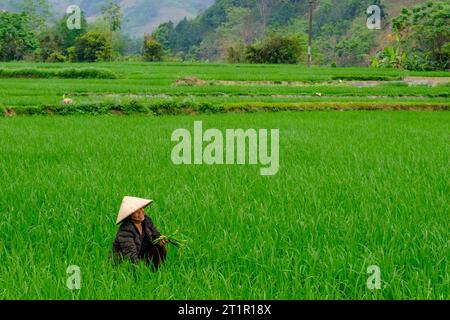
x=87, y=73
x=354, y=189
x=25, y=73
x=172, y=239
x=72, y=73
x=173, y=107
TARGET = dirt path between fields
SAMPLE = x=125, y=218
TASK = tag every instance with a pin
x=431, y=81
x=193, y=81
x=225, y=95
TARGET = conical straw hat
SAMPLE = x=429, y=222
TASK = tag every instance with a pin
x=130, y=205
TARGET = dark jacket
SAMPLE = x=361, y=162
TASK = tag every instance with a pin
x=128, y=241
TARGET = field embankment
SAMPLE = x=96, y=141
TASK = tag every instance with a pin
x=172, y=88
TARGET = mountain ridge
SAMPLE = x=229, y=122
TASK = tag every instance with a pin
x=140, y=16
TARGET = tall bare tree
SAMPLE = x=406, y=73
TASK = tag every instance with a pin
x=265, y=9
x=39, y=12
x=112, y=13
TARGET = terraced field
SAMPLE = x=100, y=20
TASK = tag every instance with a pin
x=172, y=88
x=353, y=190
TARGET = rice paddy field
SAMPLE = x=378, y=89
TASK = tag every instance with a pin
x=192, y=86
x=355, y=189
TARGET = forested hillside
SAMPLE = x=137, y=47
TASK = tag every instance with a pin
x=339, y=28
x=413, y=34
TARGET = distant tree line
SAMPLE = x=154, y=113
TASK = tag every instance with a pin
x=338, y=37
x=238, y=31
x=29, y=35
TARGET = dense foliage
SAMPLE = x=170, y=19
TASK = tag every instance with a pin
x=16, y=36
x=152, y=50
x=276, y=49
x=91, y=47
x=237, y=31
x=425, y=35
x=421, y=39
x=340, y=31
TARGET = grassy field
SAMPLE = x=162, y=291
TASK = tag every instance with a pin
x=222, y=86
x=354, y=189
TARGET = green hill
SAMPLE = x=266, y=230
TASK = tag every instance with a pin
x=340, y=31
x=207, y=29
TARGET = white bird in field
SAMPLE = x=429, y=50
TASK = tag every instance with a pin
x=318, y=94
x=67, y=101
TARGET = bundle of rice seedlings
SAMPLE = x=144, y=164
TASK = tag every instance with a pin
x=172, y=239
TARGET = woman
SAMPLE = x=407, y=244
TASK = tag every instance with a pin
x=134, y=239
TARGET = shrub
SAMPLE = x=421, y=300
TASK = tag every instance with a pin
x=206, y=107
x=134, y=106
x=236, y=54
x=253, y=54
x=275, y=50
x=152, y=49
x=91, y=47
x=71, y=56
x=56, y=57
x=49, y=43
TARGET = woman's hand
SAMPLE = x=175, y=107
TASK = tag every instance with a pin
x=162, y=243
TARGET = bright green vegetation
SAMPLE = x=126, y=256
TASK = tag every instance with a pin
x=153, y=84
x=354, y=189
x=235, y=31
x=340, y=33
x=64, y=73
